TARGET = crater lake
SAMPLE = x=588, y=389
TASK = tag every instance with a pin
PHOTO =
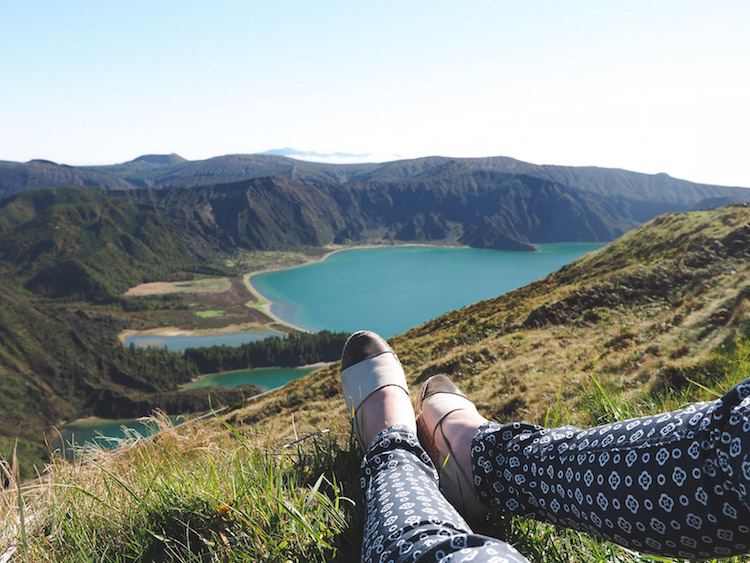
x=390, y=290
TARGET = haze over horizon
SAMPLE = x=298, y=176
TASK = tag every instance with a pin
x=648, y=87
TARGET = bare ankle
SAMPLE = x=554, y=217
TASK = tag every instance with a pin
x=386, y=407
x=459, y=428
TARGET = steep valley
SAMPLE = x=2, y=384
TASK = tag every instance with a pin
x=656, y=319
x=68, y=254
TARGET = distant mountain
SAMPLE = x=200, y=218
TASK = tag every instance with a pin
x=481, y=209
x=16, y=177
x=484, y=210
x=493, y=202
x=157, y=159
x=228, y=168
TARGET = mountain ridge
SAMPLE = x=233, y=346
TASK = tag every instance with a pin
x=500, y=202
x=231, y=167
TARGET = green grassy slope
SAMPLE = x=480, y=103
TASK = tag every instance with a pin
x=643, y=315
x=86, y=246
x=655, y=320
x=66, y=255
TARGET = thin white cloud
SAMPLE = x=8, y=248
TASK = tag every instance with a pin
x=335, y=158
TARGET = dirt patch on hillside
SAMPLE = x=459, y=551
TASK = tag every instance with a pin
x=213, y=285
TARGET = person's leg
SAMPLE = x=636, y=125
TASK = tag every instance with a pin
x=674, y=484
x=407, y=517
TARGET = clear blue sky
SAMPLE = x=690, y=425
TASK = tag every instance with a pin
x=652, y=86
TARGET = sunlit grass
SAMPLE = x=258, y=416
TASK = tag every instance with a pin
x=197, y=494
x=209, y=314
x=215, y=492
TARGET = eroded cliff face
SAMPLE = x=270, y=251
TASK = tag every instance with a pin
x=492, y=202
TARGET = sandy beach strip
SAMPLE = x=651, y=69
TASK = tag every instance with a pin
x=205, y=285
x=176, y=331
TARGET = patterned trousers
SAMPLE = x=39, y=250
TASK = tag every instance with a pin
x=408, y=519
x=674, y=484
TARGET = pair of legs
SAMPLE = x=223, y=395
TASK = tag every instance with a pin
x=675, y=484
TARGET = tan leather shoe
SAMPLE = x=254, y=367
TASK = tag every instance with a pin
x=368, y=363
x=440, y=397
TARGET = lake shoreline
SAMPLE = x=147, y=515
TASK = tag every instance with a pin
x=264, y=304
x=324, y=299
x=261, y=303
x=169, y=331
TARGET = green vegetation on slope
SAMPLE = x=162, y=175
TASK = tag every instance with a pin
x=648, y=324
x=66, y=255
x=91, y=250
x=296, y=350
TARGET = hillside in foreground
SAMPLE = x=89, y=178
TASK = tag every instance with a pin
x=645, y=312
x=656, y=319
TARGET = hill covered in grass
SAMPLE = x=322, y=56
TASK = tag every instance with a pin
x=66, y=256
x=645, y=313
x=655, y=320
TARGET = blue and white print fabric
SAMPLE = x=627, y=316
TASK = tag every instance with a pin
x=408, y=519
x=674, y=484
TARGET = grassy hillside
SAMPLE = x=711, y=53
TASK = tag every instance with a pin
x=654, y=320
x=66, y=256
x=78, y=243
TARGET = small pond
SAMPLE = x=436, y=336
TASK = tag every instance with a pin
x=104, y=433
x=265, y=378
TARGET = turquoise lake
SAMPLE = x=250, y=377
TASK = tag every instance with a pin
x=104, y=433
x=389, y=290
